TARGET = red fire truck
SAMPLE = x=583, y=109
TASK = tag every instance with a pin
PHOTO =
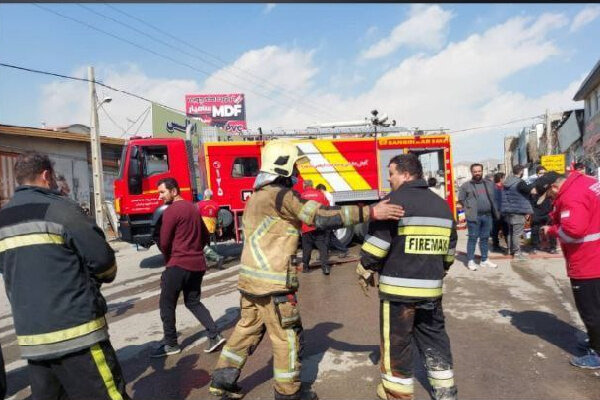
x=354, y=170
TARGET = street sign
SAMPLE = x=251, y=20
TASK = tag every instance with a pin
x=555, y=162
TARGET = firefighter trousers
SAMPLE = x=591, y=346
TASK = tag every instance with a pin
x=89, y=374
x=278, y=316
x=403, y=325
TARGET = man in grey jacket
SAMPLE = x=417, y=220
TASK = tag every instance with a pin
x=515, y=207
x=477, y=198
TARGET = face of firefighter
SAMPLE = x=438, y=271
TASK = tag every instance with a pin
x=397, y=178
x=477, y=173
x=166, y=195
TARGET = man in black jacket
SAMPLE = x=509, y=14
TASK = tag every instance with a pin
x=54, y=259
x=412, y=257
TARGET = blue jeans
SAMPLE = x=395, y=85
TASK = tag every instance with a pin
x=479, y=229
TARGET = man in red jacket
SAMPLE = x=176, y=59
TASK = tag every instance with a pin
x=182, y=238
x=576, y=223
x=311, y=236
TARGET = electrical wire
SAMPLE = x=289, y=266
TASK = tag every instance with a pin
x=136, y=120
x=496, y=126
x=219, y=63
x=160, y=55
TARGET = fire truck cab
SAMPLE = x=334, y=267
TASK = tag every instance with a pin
x=354, y=170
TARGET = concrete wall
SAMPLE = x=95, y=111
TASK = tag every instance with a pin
x=70, y=160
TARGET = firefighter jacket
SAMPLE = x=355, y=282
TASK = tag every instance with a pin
x=413, y=254
x=53, y=259
x=272, y=220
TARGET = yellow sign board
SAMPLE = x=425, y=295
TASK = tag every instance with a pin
x=555, y=162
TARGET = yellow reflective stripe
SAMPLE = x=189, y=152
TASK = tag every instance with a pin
x=432, y=245
x=291, y=339
x=423, y=230
x=230, y=355
x=387, y=365
x=14, y=242
x=409, y=291
x=441, y=383
x=398, y=387
x=292, y=231
x=373, y=250
x=62, y=335
x=449, y=259
x=105, y=372
x=345, y=169
x=262, y=229
x=307, y=211
x=264, y=276
x=285, y=376
x=109, y=272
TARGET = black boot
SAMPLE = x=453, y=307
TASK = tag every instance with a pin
x=326, y=270
x=224, y=384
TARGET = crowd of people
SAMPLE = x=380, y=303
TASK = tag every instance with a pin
x=59, y=311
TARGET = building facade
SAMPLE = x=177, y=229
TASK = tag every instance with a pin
x=589, y=92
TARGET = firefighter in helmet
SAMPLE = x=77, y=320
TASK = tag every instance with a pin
x=267, y=281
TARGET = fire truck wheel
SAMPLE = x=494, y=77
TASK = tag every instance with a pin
x=360, y=231
x=344, y=235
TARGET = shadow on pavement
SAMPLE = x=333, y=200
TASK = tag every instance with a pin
x=229, y=250
x=547, y=327
x=156, y=261
x=316, y=342
x=175, y=382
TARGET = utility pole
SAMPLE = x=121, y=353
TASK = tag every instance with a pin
x=548, y=134
x=96, y=152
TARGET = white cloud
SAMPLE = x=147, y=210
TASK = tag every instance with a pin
x=269, y=7
x=459, y=87
x=426, y=27
x=67, y=102
x=584, y=17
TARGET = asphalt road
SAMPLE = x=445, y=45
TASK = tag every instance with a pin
x=512, y=331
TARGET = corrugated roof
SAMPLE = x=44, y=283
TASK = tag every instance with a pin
x=51, y=134
x=589, y=83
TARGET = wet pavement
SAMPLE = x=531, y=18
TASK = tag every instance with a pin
x=512, y=330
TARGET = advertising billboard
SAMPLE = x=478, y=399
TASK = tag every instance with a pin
x=225, y=111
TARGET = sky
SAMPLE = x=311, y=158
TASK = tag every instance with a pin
x=452, y=66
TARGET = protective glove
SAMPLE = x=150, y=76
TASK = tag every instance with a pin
x=366, y=278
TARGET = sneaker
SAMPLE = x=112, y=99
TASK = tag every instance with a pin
x=489, y=264
x=553, y=251
x=165, y=350
x=305, y=270
x=220, y=263
x=472, y=265
x=589, y=361
x=326, y=270
x=229, y=393
x=214, y=343
x=520, y=256
x=583, y=343
x=309, y=395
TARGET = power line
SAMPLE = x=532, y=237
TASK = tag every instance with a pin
x=74, y=78
x=147, y=110
x=148, y=50
x=496, y=126
x=219, y=64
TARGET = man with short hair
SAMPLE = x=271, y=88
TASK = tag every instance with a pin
x=182, y=239
x=499, y=224
x=542, y=206
x=412, y=257
x=515, y=207
x=54, y=260
x=579, y=167
x=576, y=223
x=209, y=210
x=313, y=237
x=477, y=198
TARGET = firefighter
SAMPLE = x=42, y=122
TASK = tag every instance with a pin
x=209, y=210
x=268, y=282
x=412, y=257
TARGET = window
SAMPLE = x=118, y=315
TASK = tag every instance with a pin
x=245, y=167
x=156, y=160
